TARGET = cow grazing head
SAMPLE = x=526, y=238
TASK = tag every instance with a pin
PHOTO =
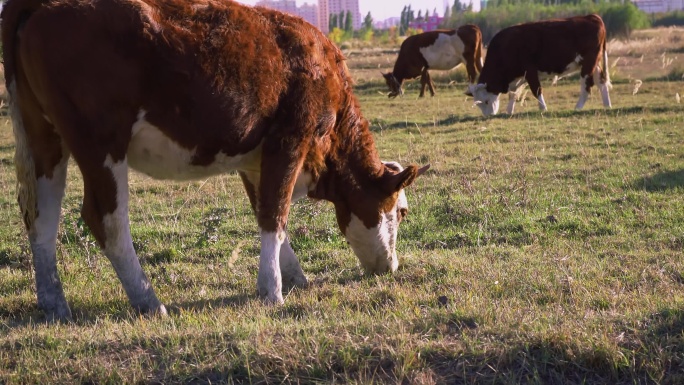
x=369, y=215
x=487, y=101
x=393, y=84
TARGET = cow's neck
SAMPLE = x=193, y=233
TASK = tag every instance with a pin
x=352, y=163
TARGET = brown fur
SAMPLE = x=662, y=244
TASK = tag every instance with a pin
x=214, y=75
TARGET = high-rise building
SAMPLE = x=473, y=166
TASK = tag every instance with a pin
x=318, y=15
x=337, y=7
x=309, y=12
x=289, y=6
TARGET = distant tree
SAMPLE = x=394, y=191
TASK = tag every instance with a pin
x=368, y=22
x=457, y=7
x=340, y=21
x=447, y=13
x=332, y=23
x=403, y=21
x=420, y=14
x=349, y=23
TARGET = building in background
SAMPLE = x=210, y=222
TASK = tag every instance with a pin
x=427, y=23
x=330, y=7
x=288, y=6
x=318, y=14
x=309, y=12
x=656, y=6
x=387, y=23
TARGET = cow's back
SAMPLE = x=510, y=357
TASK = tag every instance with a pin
x=212, y=74
x=549, y=45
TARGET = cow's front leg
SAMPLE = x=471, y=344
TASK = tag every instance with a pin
x=105, y=210
x=423, y=82
x=532, y=77
x=290, y=269
x=281, y=163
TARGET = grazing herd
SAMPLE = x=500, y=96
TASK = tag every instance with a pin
x=516, y=56
x=186, y=89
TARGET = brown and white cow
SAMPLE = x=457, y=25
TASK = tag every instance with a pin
x=181, y=89
x=441, y=49
x=520, y=54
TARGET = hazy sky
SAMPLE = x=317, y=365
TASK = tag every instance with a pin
x=383, y=9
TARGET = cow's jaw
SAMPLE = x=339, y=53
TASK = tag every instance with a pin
x=487, y=101
x=376, y=246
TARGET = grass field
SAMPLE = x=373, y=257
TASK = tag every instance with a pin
x=539, y=248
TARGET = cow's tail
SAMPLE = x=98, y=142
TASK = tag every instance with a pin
x=15, y=13
x=606, y=66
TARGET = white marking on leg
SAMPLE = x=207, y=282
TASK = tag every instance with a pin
x=603, y=88
x=269, y=279
x=43, y=240
x=584, y=95
x=511, y=102
x=119, y=246
x=542, y=103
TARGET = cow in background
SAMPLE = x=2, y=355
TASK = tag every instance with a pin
x=520, y=54
x=186, y=89
x=442, y=49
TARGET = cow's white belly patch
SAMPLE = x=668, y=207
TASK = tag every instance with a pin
x=571, y=68
x=153, y=153
x=445, y=53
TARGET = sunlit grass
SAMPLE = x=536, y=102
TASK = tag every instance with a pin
x=539, y=248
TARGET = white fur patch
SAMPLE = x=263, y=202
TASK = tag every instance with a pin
x=375, y=247
x=584, y=95
x=118, y=238
x=445, y=53
x=269, y=279
x=485, y=100
x=153, y=153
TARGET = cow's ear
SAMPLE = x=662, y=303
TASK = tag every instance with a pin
x=387, y=75
x=395, y=182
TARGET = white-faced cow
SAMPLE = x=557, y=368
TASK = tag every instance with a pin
x=183, y=89
x=442, y=49
x=521, y=53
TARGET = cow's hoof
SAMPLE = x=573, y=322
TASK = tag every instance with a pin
x=58, y=314
x=295, y=280
x=271, y=299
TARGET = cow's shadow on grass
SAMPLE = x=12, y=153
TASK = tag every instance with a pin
x=660, y=182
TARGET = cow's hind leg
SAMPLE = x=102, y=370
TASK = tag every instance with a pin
x=603, y=85
x=101, y=158
x=105, y=210
x=41, y=167
x=290, y=269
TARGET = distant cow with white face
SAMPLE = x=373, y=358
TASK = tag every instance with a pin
x=442, y=49
x=521, y=53
x=184, y=89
